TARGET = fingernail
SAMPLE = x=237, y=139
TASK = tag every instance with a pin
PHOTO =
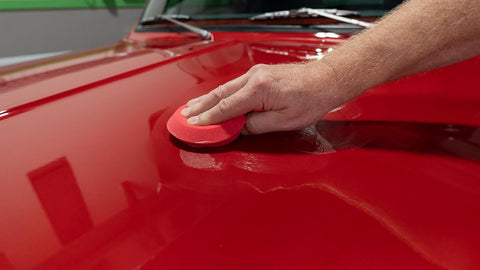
x=185, y=112
x=192, y=120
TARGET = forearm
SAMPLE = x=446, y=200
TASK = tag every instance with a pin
x=421, y=35
x=448, y=56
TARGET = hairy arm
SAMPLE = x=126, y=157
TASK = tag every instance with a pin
x=418, y=36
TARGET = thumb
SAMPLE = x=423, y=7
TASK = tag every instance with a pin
x=267, y=121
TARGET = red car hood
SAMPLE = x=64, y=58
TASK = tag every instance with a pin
x=91, y=178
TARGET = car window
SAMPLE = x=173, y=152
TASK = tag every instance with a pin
x=246, y=8
x=237, y=15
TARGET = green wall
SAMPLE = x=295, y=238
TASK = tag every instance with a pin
x=65, y=4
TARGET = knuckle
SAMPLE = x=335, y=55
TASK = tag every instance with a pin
x=217, y=93
x=261, y=77
x=224, y=106
x=262, y=80
x=257, y=67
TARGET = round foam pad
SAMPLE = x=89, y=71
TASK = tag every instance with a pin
x=204, y=136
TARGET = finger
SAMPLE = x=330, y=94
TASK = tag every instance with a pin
x=206, y=102
x=268, y=121
x=230, y=107
x=186, y=111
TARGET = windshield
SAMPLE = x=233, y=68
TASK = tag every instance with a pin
x=239, y=9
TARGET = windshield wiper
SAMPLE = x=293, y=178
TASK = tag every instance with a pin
x=174, y=18
x=311, y=13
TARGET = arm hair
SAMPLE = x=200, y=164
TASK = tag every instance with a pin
x=418, y=36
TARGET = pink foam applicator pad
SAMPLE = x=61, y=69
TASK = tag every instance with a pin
x=204, y=136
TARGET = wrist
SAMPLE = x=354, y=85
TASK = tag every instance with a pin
x=332, y=82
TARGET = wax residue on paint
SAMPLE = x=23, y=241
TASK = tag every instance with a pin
x=200, y=161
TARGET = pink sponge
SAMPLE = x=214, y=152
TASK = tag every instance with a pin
x=204, y=136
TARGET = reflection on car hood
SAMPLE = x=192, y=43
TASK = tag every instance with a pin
x=91, y=179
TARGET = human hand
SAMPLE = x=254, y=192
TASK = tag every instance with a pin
x=274, y=97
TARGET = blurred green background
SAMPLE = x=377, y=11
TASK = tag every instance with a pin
x=62, y=4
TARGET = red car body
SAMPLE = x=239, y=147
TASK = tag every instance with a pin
x=91, y=179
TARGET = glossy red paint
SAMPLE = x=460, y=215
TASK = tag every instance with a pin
x=390, y=180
